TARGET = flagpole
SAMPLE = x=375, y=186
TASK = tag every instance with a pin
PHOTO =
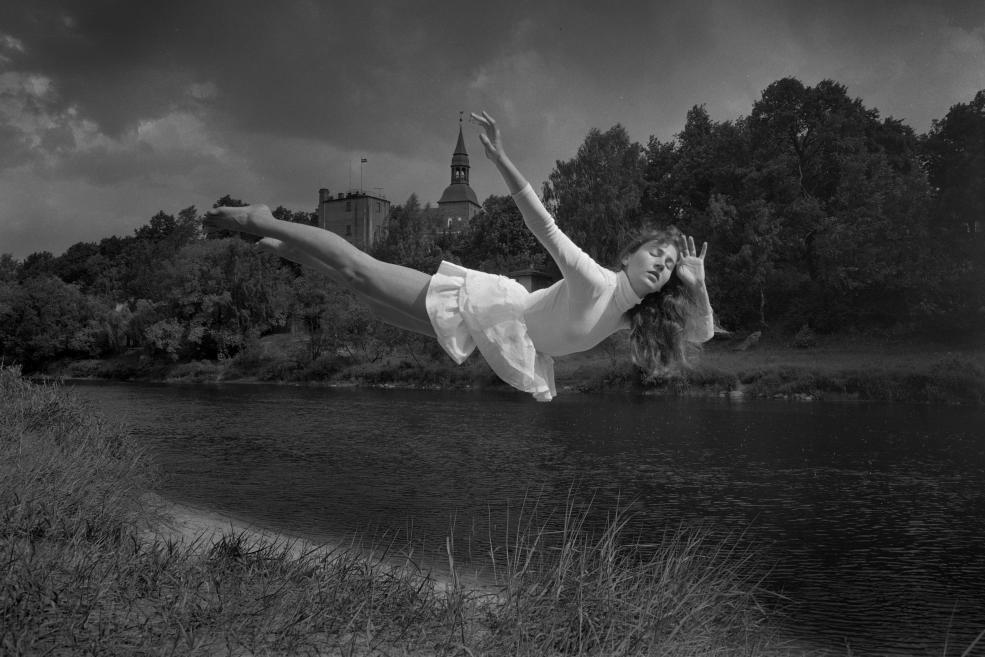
x=362, y=161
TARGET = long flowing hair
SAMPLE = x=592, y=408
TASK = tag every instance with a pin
x=657, y=325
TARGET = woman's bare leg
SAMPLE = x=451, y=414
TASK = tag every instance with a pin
x=400, y=288
x=278, y=248
x=382, y=312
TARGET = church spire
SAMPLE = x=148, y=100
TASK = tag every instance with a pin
x=460, y=159
x=458, y=202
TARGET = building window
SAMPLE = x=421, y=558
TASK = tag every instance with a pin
x=379, y=207
x=348, y=206
x=348, y=230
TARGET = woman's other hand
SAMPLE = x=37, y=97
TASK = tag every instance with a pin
x=691, y=268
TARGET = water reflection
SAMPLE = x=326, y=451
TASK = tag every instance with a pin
x=871, y=516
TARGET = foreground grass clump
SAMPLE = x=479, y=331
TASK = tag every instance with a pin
x=572, y=590
x=84, y=573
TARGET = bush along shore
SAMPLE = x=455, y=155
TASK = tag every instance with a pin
x=902, y=370
x=85, y=573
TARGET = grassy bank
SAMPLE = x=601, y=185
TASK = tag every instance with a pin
x=83, y=573
x=911, y=369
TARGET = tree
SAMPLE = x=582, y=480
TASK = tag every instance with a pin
x=744, y=234
x=221, y=294
x=407, y=240
x=40, y=319
x=711, y=158
x=155, y=243
x=158, y=228
x=954, y=152
x=846, y=191
x=229, y=202
x=75, y=265
x=140, y=265
x=699, y=183
x=596, y=195
x=335, y=321
x=8, y=268
x=298, y=216
x=311, y=306
x=497, y=240
x=955, y=155
x=660, y=201
x=37, y=264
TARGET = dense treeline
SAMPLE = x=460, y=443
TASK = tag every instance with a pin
x=819, y=212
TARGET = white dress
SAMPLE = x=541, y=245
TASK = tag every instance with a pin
x=519, y=332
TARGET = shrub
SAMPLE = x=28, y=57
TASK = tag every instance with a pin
x=196, y=371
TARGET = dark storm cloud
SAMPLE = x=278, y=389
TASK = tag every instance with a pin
x=321, y=70
x=116, y=107
x=353, y=72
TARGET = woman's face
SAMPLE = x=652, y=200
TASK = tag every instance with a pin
x=649, y=267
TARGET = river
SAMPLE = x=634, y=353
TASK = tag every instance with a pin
x=869, y=517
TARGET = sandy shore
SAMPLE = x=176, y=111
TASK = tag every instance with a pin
x=202, y=528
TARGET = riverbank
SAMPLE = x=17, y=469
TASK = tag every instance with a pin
x=911, y=369
x=97, y=566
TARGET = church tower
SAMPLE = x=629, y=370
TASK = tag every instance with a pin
x=458, y=204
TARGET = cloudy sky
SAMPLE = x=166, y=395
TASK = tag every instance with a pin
x=113, y=110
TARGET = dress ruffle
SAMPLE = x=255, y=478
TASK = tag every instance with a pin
x=470, y=309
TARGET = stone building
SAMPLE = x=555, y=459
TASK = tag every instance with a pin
x=357, y=216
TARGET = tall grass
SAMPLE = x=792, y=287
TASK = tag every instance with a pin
x=571, y=589
x=81, y=575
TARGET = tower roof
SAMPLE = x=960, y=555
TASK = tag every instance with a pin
x=457, y=193
x=460, y=146
x=461, y=156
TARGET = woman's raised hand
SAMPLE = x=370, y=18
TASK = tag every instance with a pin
x=691, y=268
x=515, y=182
x=489, y=139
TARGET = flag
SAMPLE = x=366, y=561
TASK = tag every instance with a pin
x=363, y=160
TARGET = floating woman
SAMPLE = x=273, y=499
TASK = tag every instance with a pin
x=658, y=291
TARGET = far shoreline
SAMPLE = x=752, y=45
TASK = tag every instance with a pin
x=839, y=368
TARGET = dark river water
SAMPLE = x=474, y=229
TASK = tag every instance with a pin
x=869, y=517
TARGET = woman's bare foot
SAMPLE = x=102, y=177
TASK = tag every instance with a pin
x=252, y=219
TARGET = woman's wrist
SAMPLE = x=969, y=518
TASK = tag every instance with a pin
x=700, y=295
x=515, y=182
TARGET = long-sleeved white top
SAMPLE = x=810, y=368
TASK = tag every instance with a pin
x=589, y=303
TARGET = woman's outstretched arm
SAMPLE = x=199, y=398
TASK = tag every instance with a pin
x=575, y=264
